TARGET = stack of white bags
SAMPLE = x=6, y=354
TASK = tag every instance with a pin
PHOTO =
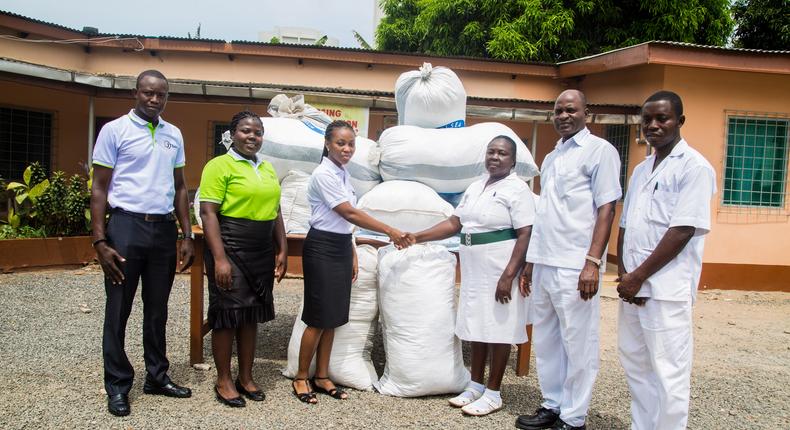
x=350, y=363
x=401, y=180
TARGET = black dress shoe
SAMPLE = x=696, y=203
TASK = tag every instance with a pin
x=257, y=396
x=170, y=389
x=118, y=405
x=542, y=419
x=236, y=402
x=562, y=425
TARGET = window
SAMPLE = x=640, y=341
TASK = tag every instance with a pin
x=219, y=128
x=25, y=137
x=619, y=135
x=755, y=172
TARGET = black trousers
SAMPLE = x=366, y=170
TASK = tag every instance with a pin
x=150, y=252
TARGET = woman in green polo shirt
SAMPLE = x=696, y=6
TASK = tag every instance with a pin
x=247, y=249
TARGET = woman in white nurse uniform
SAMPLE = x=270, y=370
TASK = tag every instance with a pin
x=494, y=220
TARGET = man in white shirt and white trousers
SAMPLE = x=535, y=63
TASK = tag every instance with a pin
x=580, y=184
x=665, y=217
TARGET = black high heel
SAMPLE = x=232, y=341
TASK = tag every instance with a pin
x=336, y=393
x=308, y=397
x=236, y=402
x=256, y=396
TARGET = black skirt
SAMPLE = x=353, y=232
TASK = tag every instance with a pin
x=327, y=260
x=250, y=250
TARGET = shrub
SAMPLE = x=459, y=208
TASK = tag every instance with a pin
x=53, y=207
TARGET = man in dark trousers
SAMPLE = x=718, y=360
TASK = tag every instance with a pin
x=138, y=174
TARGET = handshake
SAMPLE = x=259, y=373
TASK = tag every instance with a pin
x=400, y=239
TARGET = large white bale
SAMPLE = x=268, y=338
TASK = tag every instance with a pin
x=417, y=304
x=447, y=160
x=363, y=166
x=431, y=97
x=350, y=363
x=405, y=205
x=282, y=106
x=290, y=144
x=293, y=202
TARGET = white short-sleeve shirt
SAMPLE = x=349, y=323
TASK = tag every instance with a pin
x=329, y=186
x=142, y=157
x=677, y=193
x=507, y=203
x=578, y=176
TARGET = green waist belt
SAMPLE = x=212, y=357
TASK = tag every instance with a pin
x=471, y=239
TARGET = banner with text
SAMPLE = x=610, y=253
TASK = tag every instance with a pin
x=356, y=116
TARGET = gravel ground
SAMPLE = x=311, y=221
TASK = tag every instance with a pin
x=51, y=374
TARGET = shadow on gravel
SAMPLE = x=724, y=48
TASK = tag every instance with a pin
x=596, y=420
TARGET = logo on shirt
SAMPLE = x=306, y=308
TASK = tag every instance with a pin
x=168, y=144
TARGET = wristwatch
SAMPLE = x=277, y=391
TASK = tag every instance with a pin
x=189, y=235
x=593, y=260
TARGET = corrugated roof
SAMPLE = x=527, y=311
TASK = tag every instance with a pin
x=414, y=54
x=38, y=21
x=719, y=48
x=376, y=51
x=140, y=36
x=680, y=44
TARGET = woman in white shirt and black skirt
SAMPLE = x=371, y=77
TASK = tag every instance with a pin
x=329, y=259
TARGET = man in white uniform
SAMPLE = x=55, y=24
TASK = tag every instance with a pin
x=580, y=184
x=662, y=232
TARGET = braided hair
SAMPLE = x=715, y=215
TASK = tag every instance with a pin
x=240, y=116
x=330, y=130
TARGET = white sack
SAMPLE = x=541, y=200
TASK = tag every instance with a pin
x=196, y=207
x=405, y=205
x=350, y=364
x=290, y=144
x=282, y=106
x=293, y=202
x=417, y=303
x=431, y=97
x=363, y=169
x=447, y=160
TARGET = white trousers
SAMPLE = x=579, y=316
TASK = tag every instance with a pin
x=655, y=347
x=565, y=340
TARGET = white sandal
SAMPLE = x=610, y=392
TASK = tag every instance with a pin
x=482, y=406
x=466, y=397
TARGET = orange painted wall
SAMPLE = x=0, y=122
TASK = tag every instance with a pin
x=741, y=237
x=270, y=70
x=195, y=121
x=737, y=236
x=70, y=127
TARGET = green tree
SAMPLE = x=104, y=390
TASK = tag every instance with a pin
x=546, y=30
x=762, y=24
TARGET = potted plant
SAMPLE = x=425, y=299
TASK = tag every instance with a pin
x=48, y=221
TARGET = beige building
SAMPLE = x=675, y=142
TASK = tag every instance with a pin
x=54, y=96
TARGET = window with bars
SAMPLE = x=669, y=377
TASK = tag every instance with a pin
x=25, y=137
x=618, y=135
x=755, y=172
x=219, y=128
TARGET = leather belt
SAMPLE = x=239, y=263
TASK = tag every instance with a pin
x=146, y=217
x=471, y=239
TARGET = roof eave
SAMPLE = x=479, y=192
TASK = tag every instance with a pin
x=679, y=54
